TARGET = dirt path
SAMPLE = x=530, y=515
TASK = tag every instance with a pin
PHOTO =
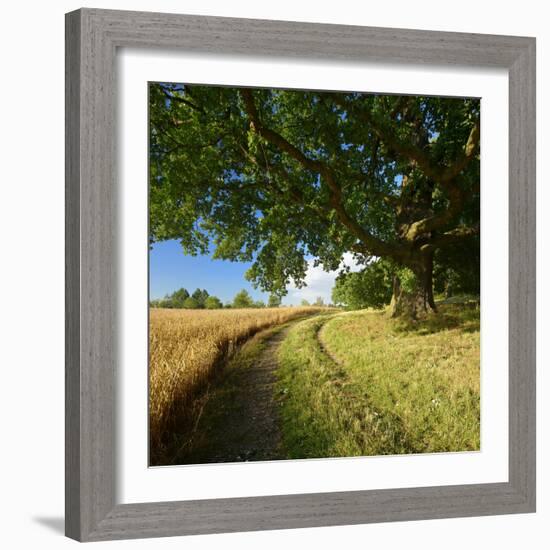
x=240, y=420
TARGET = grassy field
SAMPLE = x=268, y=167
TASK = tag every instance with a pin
x=360, y=383
x=185, y=347
x=344, y=384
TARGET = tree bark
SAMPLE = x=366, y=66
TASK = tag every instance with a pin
x=418, y=301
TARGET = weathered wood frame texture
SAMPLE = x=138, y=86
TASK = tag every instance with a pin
x=92, y=37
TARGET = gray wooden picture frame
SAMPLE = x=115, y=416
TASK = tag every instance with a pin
x=92, y=38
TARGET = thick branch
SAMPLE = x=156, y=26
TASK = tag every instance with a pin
x=292, y=192
x=445, y=176
x=373, y=244
x=407, y=150
x=441, y=219
x=441, y=174
x=467, y=154
x=454, y=236
x=275, y=138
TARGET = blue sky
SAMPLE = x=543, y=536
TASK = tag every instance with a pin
x=170, y=269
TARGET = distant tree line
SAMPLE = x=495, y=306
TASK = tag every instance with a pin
x=201, y=299
x=318, y=302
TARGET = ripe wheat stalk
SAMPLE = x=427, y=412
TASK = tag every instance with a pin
x=185, y=347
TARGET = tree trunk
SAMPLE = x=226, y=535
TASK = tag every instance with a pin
x=419, y=300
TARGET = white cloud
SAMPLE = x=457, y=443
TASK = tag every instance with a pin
x=318, y=282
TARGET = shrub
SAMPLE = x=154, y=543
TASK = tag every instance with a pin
x=213, y=302
x=242, y=300
x=191, y=303
x=371, y=287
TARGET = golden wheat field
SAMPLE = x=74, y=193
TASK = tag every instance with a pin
x=185, y=346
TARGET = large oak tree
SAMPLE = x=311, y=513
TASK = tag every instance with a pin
x=274, y=176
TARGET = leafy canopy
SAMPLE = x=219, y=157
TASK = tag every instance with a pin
x=276, y=176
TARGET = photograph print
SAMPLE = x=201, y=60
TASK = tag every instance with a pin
x=314, y=274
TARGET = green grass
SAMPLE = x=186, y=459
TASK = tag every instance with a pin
x=379, y=386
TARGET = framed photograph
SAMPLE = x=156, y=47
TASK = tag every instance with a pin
x=300, y=275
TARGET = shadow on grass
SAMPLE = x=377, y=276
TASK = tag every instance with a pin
x=464, y=316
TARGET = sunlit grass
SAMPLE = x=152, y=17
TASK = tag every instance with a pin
x=366, y=384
